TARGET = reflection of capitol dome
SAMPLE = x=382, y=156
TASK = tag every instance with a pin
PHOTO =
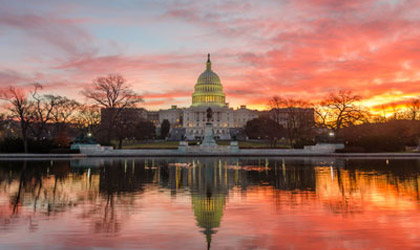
x=208, y=91
x=208, y=211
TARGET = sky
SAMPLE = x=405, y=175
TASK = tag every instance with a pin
x=298, y=49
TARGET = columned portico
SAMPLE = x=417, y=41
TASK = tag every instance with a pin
x=195, y=122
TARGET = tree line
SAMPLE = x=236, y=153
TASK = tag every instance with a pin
x=111, y=115
x=38, y=118
x=339, y=117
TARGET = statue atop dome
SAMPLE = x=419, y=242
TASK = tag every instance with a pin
x=208, y=64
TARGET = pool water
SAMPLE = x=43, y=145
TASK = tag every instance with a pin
x=217, y=203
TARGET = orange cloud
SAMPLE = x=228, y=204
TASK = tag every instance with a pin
x=302, y=49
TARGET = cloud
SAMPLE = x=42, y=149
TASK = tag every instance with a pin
x=11, y=77
x=302, y=49
x=169, y=94
x=61, y=33
x=112, y=63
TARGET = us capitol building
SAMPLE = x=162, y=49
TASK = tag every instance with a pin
x=189, y=123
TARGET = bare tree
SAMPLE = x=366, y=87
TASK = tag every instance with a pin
x=64, y=109
x=62, y=115
x=296, y=116
x=396, y=111
x=341, y=109
x=3, y=125
x=88, y=118
x=276, y=103
x=381, y=117
x=20, y=109
x=321, y=115
x=111, y=92
x=42, y=110
x=414, y=108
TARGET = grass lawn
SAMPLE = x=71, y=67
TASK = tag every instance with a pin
x=152, y=144
x=259, y=144
x=174, y=144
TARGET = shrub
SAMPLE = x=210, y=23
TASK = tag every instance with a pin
x=351, y=149
x=11, y=145
x=62, y=140
x=302, y=143
x=64, y=151
x=15, y=145
x=382, y=143
x=391, y=136
x=42, y=146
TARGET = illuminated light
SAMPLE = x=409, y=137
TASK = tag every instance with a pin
x=208, y=89
x=332, y=173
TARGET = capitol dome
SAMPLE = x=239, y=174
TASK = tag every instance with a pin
x=208, y=91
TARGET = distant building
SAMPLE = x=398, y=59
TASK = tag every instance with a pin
x=292, y=117
x=189, y=123
x=153, y=116
x=208, y=92
x=174, y=116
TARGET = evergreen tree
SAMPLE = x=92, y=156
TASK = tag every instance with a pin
x=164, y=128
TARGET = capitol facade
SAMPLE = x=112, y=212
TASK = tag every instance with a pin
x=189, y=123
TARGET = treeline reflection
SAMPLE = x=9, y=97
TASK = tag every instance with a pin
x=112, y=187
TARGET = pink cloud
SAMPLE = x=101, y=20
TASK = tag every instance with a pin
x=299, y=49
x=60, y=32
x=11, y=77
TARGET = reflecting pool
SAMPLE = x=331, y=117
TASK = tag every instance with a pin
x=217, y=203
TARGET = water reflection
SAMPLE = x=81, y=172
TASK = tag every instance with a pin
x=111, y=198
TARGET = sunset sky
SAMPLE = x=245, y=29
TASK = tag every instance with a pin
x=302, y=49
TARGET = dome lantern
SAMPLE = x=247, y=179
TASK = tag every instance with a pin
x=208, y=62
